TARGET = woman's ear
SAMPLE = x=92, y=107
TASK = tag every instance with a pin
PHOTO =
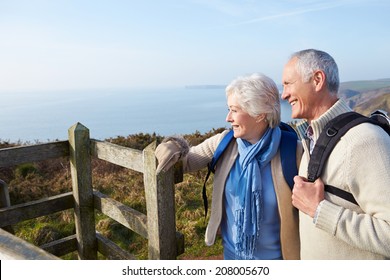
x=261, y=117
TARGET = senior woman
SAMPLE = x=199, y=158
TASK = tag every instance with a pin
x=251, y=202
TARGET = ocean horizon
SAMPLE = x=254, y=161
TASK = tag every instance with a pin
x=32, y=116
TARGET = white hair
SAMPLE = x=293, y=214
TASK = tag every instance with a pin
x=311, y=60
x=257, y=94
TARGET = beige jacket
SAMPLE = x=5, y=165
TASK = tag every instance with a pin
x=199, y=156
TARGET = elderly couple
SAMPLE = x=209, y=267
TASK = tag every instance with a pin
x=257, y=214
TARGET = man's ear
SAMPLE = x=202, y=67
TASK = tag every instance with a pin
x=319, y=79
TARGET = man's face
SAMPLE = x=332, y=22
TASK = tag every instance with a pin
x=298, y=93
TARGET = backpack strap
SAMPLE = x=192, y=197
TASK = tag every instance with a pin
x=328, y=138
x=220, y=149
x=382, y=119
x=211, y=166
x=288, y=152
x=340, y=193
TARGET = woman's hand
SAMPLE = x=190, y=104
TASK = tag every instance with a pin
x=170, y=151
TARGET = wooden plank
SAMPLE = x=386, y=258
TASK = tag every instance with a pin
x=80, y=165
x=61, y=246
x=123, y=214
x=180, y=243
x=15, y=248
x=160, y=204
x=111, y=250
x=25, y=211
x=18, y=155
x=5, y=202
x=122, y=156
x=4, y=195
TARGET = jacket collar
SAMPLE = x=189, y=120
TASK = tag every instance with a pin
x=318, y=125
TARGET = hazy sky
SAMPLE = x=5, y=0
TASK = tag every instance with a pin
x=89, y=44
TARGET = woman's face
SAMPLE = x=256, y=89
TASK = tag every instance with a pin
x=244, y=125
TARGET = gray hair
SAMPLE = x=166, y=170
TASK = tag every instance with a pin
x=311, y=60
x=257, y=94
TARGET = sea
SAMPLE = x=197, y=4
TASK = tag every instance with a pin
x=44, y=116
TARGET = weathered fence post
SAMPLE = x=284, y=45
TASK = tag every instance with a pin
x=5, y=202
x=80, y=162
x=160, y=206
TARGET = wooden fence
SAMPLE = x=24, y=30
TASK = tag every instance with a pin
x=158, y=226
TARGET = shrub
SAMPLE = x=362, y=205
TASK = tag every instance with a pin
x=24, y=169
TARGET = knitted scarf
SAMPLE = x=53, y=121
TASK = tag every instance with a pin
x=248, y=216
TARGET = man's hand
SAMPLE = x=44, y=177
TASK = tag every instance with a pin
x=306, y=196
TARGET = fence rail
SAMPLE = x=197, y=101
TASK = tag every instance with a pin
x=158, y=226
x=12, y=247
x=25, y=154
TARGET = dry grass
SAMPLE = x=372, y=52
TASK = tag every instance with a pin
x=32, y=181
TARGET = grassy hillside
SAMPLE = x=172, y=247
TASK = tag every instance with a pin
x=32, y=181
x=361, y=86
x=378, y=102
x=367, y=96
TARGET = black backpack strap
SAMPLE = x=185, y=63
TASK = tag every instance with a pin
x=204, y=194
x=328, y=138
x=382, y=119
x=341, y=193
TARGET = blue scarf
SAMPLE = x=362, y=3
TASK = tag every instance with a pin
x=248, y=217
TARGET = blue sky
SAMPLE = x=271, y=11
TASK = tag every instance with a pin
x=95, y=44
